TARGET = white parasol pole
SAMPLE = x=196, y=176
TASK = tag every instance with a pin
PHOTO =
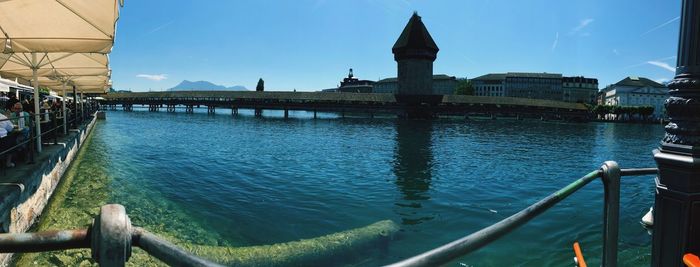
x=37, y=116
x=63, y=104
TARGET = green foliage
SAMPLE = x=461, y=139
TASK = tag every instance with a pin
x=623, y=112
x=464, y=87
x=44, y=90
x=261, y=86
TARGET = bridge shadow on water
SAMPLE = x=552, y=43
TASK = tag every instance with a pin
x=412, y=166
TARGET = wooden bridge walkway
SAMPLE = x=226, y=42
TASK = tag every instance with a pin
x=371, y=103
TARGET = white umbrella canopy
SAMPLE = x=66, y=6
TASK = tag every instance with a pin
x=54, y=69
x=86, y=84
x=53, y=64
x=48, y=37
x=58, y=25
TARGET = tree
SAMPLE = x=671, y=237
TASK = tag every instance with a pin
x=44, y=90
x=646, y=111
x=261, y=85
x=464, y=87
x=601, y=110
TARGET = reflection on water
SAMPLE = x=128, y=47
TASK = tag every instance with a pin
x=413, y=160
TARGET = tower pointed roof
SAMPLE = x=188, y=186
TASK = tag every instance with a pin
x=415, y=39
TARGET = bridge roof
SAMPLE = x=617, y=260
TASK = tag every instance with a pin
x=314, y=96
x=351, y=97
x=500, y=100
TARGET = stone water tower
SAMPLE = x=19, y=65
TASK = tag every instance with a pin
x=414, y=53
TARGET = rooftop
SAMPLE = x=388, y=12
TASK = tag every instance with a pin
x=415, y=37
x=534, y=75
x=491, y=77
x=638, y=82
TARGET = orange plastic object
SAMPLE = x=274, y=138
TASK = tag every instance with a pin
x=691, y=260
x=579, y=255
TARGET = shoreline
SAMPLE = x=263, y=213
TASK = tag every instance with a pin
x=27, y=188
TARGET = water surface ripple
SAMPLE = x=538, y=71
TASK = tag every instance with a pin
x=242, y=181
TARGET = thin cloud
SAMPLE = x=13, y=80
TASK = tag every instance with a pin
x=556, y=41
x=581, y=25
x=153, y=77
x=617, y=53
x=662, y=65
x=646, y=62
x=662, y=80
x=161, y=27
x=661, y=25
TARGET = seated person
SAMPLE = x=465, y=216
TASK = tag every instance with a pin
x=22, y=119
x=7, y=141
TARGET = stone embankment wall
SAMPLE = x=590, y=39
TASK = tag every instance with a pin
x=23, y=198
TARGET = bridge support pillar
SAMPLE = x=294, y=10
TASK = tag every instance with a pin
x=315, y=114
x=286, y=113
x=189, y=109
x=258, y=112
x=128, y=107
x=211, y=110
x=342, y=113
x=677, y=200
x=234, y=111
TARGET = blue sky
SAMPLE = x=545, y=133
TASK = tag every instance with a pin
x=310, y=44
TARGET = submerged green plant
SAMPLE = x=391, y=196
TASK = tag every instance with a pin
x=88, y=184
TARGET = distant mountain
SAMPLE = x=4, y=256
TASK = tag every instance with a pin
x=205, y=86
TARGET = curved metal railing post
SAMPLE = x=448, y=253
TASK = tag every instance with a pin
x=611, y=213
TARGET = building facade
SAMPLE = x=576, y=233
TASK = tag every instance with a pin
x=489, y=85
x=442, y=85
x=579, y=89
x=533, y=85
x=551, y=86
x=351, y=84
x=637, y=91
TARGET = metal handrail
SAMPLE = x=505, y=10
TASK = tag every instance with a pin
x=610, y=172
x=110, y=237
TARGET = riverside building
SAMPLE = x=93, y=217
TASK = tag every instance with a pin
x=352, y=84
x=551, y=86
x=579, y=89
x=637, y=91
x=442, y=85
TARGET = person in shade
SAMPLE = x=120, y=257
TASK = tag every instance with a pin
x=6, y=140
x=22, y=119
x=10, y=102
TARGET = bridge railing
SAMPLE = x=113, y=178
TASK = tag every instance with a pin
x=610, y=174
x=112, y=236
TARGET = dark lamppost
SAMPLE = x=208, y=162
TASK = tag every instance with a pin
x=677, y=201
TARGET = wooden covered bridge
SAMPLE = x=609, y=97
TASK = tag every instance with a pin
x=368, y=103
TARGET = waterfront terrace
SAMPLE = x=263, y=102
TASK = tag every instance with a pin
x=370, y=103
